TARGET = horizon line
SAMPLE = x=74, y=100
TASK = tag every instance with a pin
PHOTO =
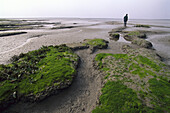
x=86, y=18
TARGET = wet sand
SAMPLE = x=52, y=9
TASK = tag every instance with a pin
x=84, y=29
x=162, y=45
x=34, y=39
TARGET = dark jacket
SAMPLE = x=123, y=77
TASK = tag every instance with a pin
x=126, y=18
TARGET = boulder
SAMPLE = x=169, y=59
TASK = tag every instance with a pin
x=114, y=36
x=142, y=43
x=128, y=37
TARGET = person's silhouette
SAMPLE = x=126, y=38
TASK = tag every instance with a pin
x=125, y=19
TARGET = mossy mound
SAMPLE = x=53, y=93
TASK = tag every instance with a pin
x=140, y=25
x=37, y=74
x=134, y=82
x=114, y=36
x=91, y=44
x=96, y=43
x=130, y=34
x=77, y=46
x=138, y=38
x=117, y=30
x=142, y=43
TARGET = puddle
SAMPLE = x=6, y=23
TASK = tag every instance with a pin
x=162, y=45
x=120, y=39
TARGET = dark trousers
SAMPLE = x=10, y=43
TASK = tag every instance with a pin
x=125, y=24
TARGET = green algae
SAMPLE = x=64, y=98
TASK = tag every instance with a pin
x=131, y=75
x=133, y=33
x=130, y=35
x=99, y=43
x=117, y=98
x=151, y=63
x=160, y=90
x=137, y=66
x=37, y=73
x=114, y=36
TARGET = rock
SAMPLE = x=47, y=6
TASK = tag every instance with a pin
x=128, y=38
x=92, y=44
x=77, y=46
x=117, y=30
x=140, y=25
x=142, y=43
x=114, y=36
x=143, y=36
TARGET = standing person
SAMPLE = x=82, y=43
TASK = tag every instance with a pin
x=125, y=19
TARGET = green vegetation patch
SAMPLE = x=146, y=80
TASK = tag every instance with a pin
x=129, y=35
x=142, y=43
x=160, y=89
x=114, y=36
x=140, y=25
x=97, y=43
x=133, y=33
x=117, y=98
x=135, y=83
x=37, y=74
x=138, y=65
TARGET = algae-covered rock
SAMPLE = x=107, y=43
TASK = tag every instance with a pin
x=117, y=30
x=90, y=44
x=94, y=44
x=135, y=82
x=114, y=36
x=143, y=36
x=142, y=43
x=140, y=25
x=139, y=34
x=128, y=38
x=138, y=38
x=77, y=46
x=37, y=74
x=97, y=43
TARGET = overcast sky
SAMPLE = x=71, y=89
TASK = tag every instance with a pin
x=137, y=9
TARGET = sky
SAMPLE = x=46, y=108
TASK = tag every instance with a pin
x=137, y=9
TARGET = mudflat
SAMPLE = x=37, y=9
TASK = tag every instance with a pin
x=84, y=93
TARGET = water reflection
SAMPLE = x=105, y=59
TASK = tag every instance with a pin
x=120, y=39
